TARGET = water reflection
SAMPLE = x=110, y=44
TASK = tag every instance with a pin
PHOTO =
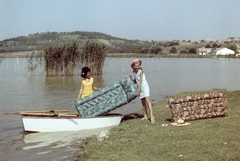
x=1, y=59
x=57, y=139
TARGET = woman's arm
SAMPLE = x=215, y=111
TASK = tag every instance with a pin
x=140, y=84
x=94, y=88
x=80, y=92
x=134, y=80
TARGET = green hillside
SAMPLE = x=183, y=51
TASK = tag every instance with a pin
x=40, y=41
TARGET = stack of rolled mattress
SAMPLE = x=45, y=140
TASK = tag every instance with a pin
x=107, y=99
x=199, y=106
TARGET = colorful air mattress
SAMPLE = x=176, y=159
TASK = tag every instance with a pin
x=107, y=99
x=199, y=106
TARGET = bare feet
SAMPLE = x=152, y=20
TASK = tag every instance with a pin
x=152, y=119
x=144, y=118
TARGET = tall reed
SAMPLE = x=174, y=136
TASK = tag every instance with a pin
x=65, y=59
x=93, y=55
x=1, y=59
x=34, y=59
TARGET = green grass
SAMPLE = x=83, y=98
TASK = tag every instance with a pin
x=139, y=55
x=23, y=54
x=134, y=139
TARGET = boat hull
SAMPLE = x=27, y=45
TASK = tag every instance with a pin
x=57, y=124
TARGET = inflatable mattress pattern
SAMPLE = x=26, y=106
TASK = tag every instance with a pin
x=107, y=99
x=199, y=106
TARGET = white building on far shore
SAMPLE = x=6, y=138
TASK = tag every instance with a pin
x=223, y=51
x=204, y=51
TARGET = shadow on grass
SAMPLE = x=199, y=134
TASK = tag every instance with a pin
x=131, y=116
x=168, y=120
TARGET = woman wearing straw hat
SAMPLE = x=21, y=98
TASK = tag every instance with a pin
x=143, y=88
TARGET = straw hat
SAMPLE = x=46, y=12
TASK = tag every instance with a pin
x=136, y=60
x=180, y=122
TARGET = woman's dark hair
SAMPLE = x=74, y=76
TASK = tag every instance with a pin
x=85, y=70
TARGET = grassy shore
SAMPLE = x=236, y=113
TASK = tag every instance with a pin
x=134, y=139
x=25, y=54
x=139, y=55
x=20, y=54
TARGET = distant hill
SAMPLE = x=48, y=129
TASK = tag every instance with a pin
x=40, y=41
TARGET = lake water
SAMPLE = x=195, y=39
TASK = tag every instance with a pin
x=21, y=90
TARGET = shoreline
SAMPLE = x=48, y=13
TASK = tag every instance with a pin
x=25, y=54
x=20, y=54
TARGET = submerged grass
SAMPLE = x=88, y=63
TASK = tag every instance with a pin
x=134, y=139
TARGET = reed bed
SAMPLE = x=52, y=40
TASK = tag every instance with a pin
x=93, y=55
x=134, y=139
x=65, y=60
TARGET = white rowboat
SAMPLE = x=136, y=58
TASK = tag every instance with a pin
x=57, y=124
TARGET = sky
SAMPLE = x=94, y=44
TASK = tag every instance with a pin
x=130, y=19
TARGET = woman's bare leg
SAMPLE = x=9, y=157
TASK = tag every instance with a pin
x=150, y=109
x=144, y=109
